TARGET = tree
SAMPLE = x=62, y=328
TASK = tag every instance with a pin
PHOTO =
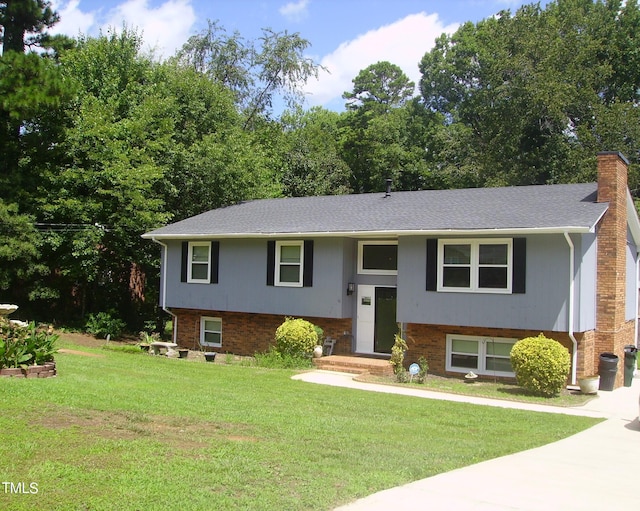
x=24, y=23
x=29, y=85
x=18, y=247
x=536, y=113
x=311, y=163
x=254, y=72
x=381, y=87
x=104, y=192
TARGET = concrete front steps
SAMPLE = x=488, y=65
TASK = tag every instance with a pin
x=354, y=364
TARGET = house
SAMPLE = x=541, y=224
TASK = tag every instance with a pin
x=465, y=273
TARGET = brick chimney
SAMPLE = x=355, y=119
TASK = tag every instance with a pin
x=612, y=331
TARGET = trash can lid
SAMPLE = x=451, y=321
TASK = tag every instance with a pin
x=609, y=356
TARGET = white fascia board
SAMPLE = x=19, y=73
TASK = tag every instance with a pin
x=632, y=219
x=376, y=234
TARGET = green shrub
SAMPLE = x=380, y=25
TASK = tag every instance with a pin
x=22, y=346
x=397, y=358
x=424, y=368
x=104, y=324
x=275, y=360
x=541, y=365
x=296, y=337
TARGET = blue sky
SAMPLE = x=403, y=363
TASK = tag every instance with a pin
x=346, y=35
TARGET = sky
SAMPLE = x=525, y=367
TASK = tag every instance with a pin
x=346, y=36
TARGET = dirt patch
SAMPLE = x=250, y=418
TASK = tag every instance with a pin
x=78, y=352
x=177, y=432
x=82, y=339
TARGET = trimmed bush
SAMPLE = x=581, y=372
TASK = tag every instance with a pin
x=296, y=337
x=541, y=365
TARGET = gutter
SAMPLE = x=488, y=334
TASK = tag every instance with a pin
x=165, y=253
x=371, y=234
x=574, y=357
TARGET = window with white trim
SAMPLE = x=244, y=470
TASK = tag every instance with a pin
x=482, y=355
x=199, y=262
x=210, y=331
x=378, y=257
x=289, y=263
x=480, y=265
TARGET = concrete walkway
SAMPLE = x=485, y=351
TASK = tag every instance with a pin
x=596, y=469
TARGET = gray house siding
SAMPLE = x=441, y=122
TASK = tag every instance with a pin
x=544, y=305
x=585, y=285
x=242, y=283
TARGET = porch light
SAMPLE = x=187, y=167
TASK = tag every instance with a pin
x=351, y=287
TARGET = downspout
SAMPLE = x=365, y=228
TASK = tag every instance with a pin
x=574, y=356
x=165, y=253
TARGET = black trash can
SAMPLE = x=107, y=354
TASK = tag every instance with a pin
x=607, y=369
x=630, y=358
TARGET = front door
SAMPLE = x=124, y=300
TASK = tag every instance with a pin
x=376, y=321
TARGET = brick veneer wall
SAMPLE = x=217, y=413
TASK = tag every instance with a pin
x=430, y=341
x=612, y=331
x=245, y=334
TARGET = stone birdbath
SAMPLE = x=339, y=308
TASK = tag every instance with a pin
x=6, y=309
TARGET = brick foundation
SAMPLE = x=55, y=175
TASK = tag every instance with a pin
x=430, y=341
x=245, y=334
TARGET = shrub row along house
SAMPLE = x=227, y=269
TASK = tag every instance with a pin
x=463, y=273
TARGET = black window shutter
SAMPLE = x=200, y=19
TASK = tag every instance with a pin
x=432, y=264
x=518, y=278
x=307, y=272
x=185, y=263
x=271, y=262
x=215, y=257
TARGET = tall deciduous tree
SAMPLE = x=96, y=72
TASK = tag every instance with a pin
x=533, y=90
x=311, y=163
x=254, y=71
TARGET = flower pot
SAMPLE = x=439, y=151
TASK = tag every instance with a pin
x=317, y=351
x=145, y=347
x=183, y=352
x=210, y=356
x=589, y=384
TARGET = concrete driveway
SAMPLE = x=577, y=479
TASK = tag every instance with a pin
x=597, y=469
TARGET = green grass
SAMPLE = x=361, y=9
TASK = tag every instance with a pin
x=119, y=431
x=486, y=388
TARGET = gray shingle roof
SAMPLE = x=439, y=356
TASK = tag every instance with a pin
x=569, y=207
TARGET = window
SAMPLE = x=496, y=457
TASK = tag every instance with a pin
x=210, y=332
x=199, y=267
x=289, y=262
x=378, y=257
x=482, y=355
x=483, y=265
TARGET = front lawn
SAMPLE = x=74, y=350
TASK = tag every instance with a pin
x=128, y=432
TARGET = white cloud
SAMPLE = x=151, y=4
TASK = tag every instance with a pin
x=402, y=43
x=164, y=28
x=295, y=11
x=72, y=20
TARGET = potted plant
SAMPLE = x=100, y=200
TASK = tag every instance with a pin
x=589, y=384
